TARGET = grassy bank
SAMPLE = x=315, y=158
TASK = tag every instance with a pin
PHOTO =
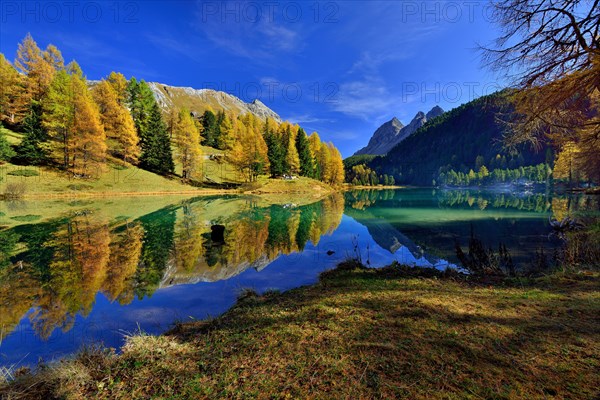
x=117, y=178
x=41, y=182
x=389, y=333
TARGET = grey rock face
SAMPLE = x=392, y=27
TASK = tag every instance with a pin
x=393, y=132
x=197, y=99
x=383, y=137
x=259, y=109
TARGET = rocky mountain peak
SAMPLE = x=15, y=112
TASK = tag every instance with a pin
x=393, y=132
x=199, y=100
x=434, y=112
x=385, y=134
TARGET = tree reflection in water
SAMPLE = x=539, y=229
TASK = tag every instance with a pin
x=52, y=271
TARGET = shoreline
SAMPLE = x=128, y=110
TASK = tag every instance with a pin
x=67, y=195
x=378, y=187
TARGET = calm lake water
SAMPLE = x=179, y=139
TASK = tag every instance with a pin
x=98, y=271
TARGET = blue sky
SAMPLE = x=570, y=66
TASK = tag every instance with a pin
x=341, y=68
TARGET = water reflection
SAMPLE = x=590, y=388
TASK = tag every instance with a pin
x=56, y=268
x=56, y=273
x=433, y=221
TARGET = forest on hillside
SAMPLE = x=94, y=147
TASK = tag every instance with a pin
x=464, y=142
x=81, y=126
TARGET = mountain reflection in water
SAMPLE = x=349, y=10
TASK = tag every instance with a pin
x=90, y=276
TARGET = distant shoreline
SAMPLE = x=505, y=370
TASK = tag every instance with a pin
x=377, y=187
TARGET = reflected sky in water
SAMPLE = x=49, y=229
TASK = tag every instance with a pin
x=90, y=277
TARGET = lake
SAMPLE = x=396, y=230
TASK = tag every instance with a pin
x=94, y=271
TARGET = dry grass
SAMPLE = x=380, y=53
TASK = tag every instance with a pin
x=390, y=333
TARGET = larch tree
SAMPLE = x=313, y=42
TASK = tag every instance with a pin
x=324, y=161
x=89, y=139
x=53, y=57
x=226, y=132
x=337, y=165
x=11, y=89
x=186, y=137
x=118, y=123
x=38, y=67
x=249, y=151
x=73, y=121
x=314, y=142
x=119, y=83
x=567, y=165
x=59, y=114
x=125, y=252
x=291, y=158
x=551, y=51
x=238, y=154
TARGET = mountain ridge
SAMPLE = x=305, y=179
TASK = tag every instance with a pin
x=392, y=132
x=200, y=100
x=456, y=140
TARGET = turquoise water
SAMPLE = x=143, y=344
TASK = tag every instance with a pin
x=100, y=272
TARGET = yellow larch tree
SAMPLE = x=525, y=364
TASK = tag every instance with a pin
x=314, y=142
x=292, y=159
x=73, y=121
x=11, y=89
x=118, y=123
x=38, y=66
x=336, y=165
x=119, y=83
x=248, y=152
x=227, y=132
x=186, y=137
x=567, y=163
x=59, y=115
x=324, y=162
x=89, y=139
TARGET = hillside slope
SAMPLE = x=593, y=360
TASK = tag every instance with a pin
x=455, y=140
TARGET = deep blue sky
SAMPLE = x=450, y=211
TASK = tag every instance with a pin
x=357, y=63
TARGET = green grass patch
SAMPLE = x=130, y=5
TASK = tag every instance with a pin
x=24, y=172
x=12, y=137
x=80, y=187
x=395, y=332
x=26, y=218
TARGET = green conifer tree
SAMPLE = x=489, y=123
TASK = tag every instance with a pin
x=306, y=157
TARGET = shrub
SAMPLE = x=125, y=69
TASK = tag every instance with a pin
x=14, y=190
x=582, y=247
x=247, y=294
x=483, y=261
